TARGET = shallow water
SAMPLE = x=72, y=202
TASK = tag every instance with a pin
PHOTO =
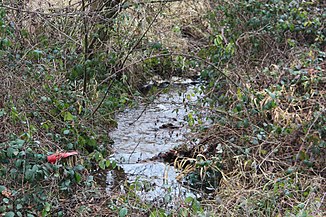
x=146, y=131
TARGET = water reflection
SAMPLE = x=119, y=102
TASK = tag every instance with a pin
x=146, y=131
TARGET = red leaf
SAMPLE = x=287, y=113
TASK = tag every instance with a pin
x=53, y=158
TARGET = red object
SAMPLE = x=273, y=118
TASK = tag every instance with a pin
x=53, y=158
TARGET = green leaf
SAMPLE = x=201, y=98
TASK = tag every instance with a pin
x=19, y=206
x=10, y=214
x=114, y=164
x=218, y=41
x=77, y=177
x=308, y=163
x=189, y=199
x=2, y=112
x=246, y=123
x=47, y=207
x=3, y=208
x=44, y=98
x=196, y=205
x=68, y=116
x=123, y=212
x=70, y=146
x=79, y=167
x=271, y=94
x=6, y=42
x=91, y=142
x=2, y=188
x=156, y=45
x=66, y=132
x=102, y=164
x=290, y=170
x=29, y=174
x=255, y=141
x=12, y=152
x=107, y=163
x=37, y=51
x=60, y=213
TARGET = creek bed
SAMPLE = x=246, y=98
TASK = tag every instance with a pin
x=145, y=132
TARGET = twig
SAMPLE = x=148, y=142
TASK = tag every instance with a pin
x=141, y=114
x=85, y=49
x=174, y=54
x=102, y=100
x=141, y=38
x=133, y=151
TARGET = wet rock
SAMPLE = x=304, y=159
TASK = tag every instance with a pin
x=169, y=126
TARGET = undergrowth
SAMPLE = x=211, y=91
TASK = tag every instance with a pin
x=267, y=138
x=64, y=76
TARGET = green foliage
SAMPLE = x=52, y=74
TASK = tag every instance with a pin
x=248, y=29
x=123, y=212
x=28, y=167
x=255, y=125
x=6, y=32
x=299, y=18
x=161, y=65
x=45, y=115
x=206, y=174
x=271, y=115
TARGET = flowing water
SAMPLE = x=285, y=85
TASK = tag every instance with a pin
x=146, y=131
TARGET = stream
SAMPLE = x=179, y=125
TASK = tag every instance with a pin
x=145, y=132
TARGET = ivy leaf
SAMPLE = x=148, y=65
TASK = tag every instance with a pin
x=68, y=116
x=189, y=199
x=47, y=207
x=11, y=152
x=271, y=94
x=29, y=174
x=102, y=164
x=20, y=142
x=19, y=206
x=123, y=212
x=107, y=163
x=77, y=177
x=2, y=188
x=10, y=214
x=2, y=112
